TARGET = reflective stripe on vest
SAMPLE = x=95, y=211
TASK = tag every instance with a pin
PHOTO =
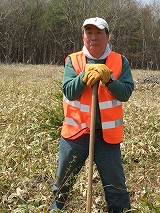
x=77, y=113
x=112, y=124
x=109, y=104
x=77, y=104
x=72, y=122
x=105, y=125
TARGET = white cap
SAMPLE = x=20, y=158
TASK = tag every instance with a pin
x=98, y=22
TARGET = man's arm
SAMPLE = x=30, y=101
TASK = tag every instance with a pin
x=72, y=83
x=122, y=88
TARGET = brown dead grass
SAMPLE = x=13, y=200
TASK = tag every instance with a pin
x=28, y=154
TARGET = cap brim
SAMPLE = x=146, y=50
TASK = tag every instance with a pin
x=99, y=26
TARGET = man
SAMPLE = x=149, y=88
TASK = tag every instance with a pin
x=96, y=62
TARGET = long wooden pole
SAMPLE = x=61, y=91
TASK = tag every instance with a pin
x=91, y=147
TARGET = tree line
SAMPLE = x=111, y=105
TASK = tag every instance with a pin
x=46, y=31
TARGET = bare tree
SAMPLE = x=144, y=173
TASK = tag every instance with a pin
x=45, y=31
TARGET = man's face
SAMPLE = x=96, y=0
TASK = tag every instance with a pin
x=95, y=40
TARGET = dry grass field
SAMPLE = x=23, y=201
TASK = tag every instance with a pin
x=30, y=122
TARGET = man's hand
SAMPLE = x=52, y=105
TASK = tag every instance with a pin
x=104, y=72
x=90, y=76
x=96, y=72
x=93, y=77
x=87, y=72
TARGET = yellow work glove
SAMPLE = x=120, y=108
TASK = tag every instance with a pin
x=95, y=72
x=87, y=72
x=96, y=67
x=90, y=76
x=105, y=76
x=104, y=72
x=93, y=77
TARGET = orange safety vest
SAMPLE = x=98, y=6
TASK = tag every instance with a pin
x=78, y=112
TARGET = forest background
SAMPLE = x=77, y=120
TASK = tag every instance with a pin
x=35, y=37
x=45, y=31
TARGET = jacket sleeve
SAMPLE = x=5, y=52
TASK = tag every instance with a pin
x=72, y=85
x=122, y=88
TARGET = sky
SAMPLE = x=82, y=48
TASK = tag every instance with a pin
x=146, y=1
